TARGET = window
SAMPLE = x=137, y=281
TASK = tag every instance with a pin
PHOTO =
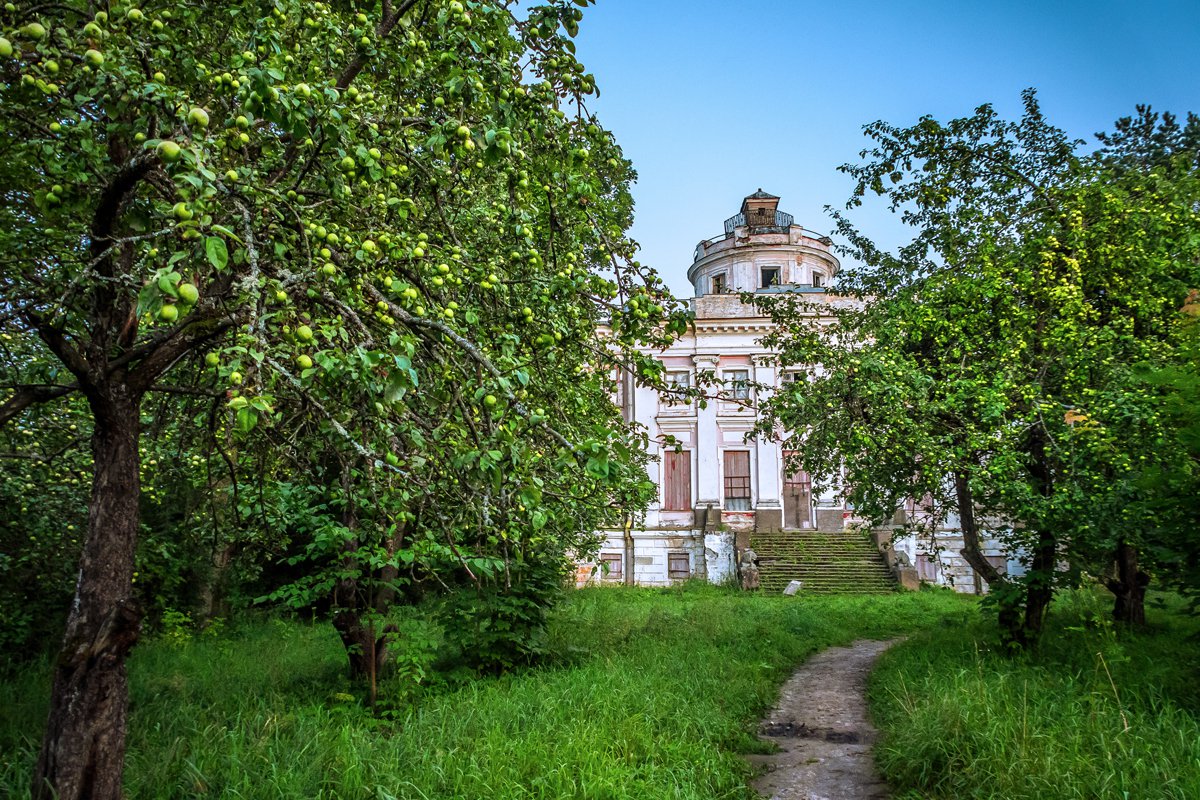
x=790, y=377
x=737, y=385
x=678, y=381
x=679, y=566
x=611, y=564
x=770, y=277
x=818, y=279
x=737, y=480
x=719, y=285
x=677, y=480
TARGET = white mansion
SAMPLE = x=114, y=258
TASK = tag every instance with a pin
x=720, y=490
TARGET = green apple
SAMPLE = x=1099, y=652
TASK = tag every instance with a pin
x=134, y=15
x=281, y=296
x=231, y=176
x=348, y=164
x=304, y=333
x=212, y=360
x=242, y=122
x=329, y=270
x=489, y=400
x=188, y=293
x=304, y=362
x=33, y=30
x=235, y=377
x=198, y=117
x=182, y=212
x=6, y=48
x=168, y=313
x=94, y=57
x=169, y=151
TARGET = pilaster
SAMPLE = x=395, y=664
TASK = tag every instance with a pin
x=708, y=441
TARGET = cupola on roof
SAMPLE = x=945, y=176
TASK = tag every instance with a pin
x=759, y=210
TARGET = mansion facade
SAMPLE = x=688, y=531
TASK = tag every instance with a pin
x=722, y=489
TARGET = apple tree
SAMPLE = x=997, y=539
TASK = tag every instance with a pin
x=387, y=231
x=987, y=366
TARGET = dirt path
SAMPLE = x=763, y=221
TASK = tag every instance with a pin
x=823, y=731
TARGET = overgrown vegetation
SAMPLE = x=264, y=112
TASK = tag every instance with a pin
x=1095, y=712
x=645, y=694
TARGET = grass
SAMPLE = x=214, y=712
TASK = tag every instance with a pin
x=1094, y=713
x=649, y=694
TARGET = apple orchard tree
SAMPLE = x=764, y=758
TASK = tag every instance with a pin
x=388, y=232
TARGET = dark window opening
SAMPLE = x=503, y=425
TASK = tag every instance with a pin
x=818, y=280
x=770, y=277
x=718, y=284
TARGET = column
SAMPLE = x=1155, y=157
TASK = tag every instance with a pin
x=769, y=510
x=708, y=471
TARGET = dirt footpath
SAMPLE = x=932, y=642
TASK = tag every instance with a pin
x=823, y=731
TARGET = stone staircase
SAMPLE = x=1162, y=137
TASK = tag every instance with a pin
x=828, y=562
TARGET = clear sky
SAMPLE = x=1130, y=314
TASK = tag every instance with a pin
x=712, y=100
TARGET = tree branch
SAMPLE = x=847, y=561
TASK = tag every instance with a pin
x=27, y=396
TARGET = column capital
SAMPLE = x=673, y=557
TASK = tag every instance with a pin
x=765, y=359
x=706, y=362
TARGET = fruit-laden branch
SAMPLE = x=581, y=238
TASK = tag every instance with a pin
x=192, y=333
x=477, y=356
x=385, y=27
x=27, y=396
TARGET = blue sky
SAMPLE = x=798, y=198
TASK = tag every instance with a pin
x=712, y=100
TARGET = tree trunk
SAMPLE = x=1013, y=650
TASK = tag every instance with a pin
x=1008, y=601
x=365, y=651
x=1040, y=581
x=1040, y=584
x=1129, y=587
x=83, y=750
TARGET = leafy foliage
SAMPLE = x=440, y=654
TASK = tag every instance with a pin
x=987, y=368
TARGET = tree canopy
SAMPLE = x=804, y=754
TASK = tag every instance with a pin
x=367, y=247
x=989, y=368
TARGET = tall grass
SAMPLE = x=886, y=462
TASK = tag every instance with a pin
x=649, y=694
x=1093, y=713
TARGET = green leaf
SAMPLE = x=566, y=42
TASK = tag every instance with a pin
x=247, y=418
x=217, y=252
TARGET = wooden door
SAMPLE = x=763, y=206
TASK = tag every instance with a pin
x=797, y=498
x=677, y=483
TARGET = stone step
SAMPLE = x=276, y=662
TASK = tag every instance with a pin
x=825, y=562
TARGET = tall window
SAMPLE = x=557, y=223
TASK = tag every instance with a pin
x=677, y=480
x=818, y=279
x=770, y=277
x=737, y=384
x=719, y=284
x=737, y=480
